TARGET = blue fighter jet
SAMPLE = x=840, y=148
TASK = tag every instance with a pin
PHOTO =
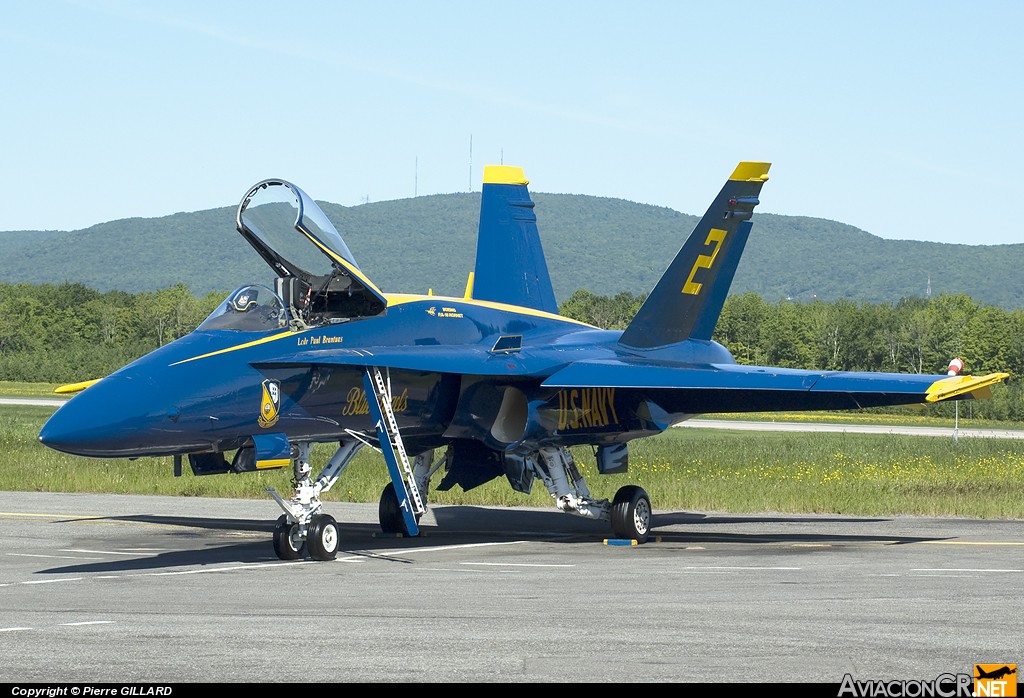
x=493, y=384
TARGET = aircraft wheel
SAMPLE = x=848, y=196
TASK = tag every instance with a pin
x=631, y=513
x=287, y=543
x=389, y=513
x=322, y=538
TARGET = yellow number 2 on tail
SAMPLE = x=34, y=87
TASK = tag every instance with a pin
x=704, y=261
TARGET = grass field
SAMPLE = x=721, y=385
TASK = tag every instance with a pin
x=682, y=469
x=14, y=389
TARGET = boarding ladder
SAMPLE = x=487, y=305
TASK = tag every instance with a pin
x=383, y=413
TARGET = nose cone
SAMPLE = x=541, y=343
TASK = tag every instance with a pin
x=109, y=419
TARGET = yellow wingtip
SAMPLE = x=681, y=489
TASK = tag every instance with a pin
x=978, y=386
x=75, y=387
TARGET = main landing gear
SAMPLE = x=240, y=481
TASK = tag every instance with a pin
x=389, y=512
x=630, y=512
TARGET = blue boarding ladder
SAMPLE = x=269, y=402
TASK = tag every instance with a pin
x=383, y=413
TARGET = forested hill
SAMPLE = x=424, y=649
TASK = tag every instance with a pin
x=602, y=245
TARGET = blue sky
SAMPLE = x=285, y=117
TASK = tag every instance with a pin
x=900, y=118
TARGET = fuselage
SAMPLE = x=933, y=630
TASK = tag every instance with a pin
x=457, y=369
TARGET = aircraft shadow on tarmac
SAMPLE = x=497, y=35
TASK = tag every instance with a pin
x=457, y=524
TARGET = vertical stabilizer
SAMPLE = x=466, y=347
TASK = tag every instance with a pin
x=510, y=265
x=688, y=299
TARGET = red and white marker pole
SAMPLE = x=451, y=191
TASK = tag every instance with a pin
x=955, y=366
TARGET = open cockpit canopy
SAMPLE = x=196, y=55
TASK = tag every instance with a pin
x=317, y=276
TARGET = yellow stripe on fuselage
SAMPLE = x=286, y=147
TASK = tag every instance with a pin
x=395, y=299
x=246, y=345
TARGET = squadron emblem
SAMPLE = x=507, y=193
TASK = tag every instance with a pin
x=271, y=404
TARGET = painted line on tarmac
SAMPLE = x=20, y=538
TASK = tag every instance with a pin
x=735, y=568
x=24, y=514
x=90, y=519
x=134, y=553
x=86, y=622
x=971, y=542
x=456, y=547
x=967, y=569
x=53, y=557
x=510, y=564
x=90, y=622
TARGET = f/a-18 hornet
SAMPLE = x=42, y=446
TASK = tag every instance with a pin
x=493, y=384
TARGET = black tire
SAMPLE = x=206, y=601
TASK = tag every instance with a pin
x=322, y=538
x=389, y=513
x=631, y=514
x=287, y=543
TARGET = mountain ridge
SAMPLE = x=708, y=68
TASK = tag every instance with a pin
x=604, y=245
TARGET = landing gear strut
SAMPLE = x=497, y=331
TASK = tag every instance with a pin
x=303, y=528
x=629, y=513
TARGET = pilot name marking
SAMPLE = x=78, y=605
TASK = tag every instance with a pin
x=356, y=402
x=318, y=341
x=584, y=408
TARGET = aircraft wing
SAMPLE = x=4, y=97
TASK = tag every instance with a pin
x=735, y=387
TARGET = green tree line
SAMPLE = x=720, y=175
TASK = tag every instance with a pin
x=59, y=333
x=915, y=335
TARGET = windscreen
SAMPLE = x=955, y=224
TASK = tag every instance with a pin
x=251, y=308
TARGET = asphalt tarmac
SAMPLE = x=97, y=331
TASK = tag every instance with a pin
x=126, y=589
